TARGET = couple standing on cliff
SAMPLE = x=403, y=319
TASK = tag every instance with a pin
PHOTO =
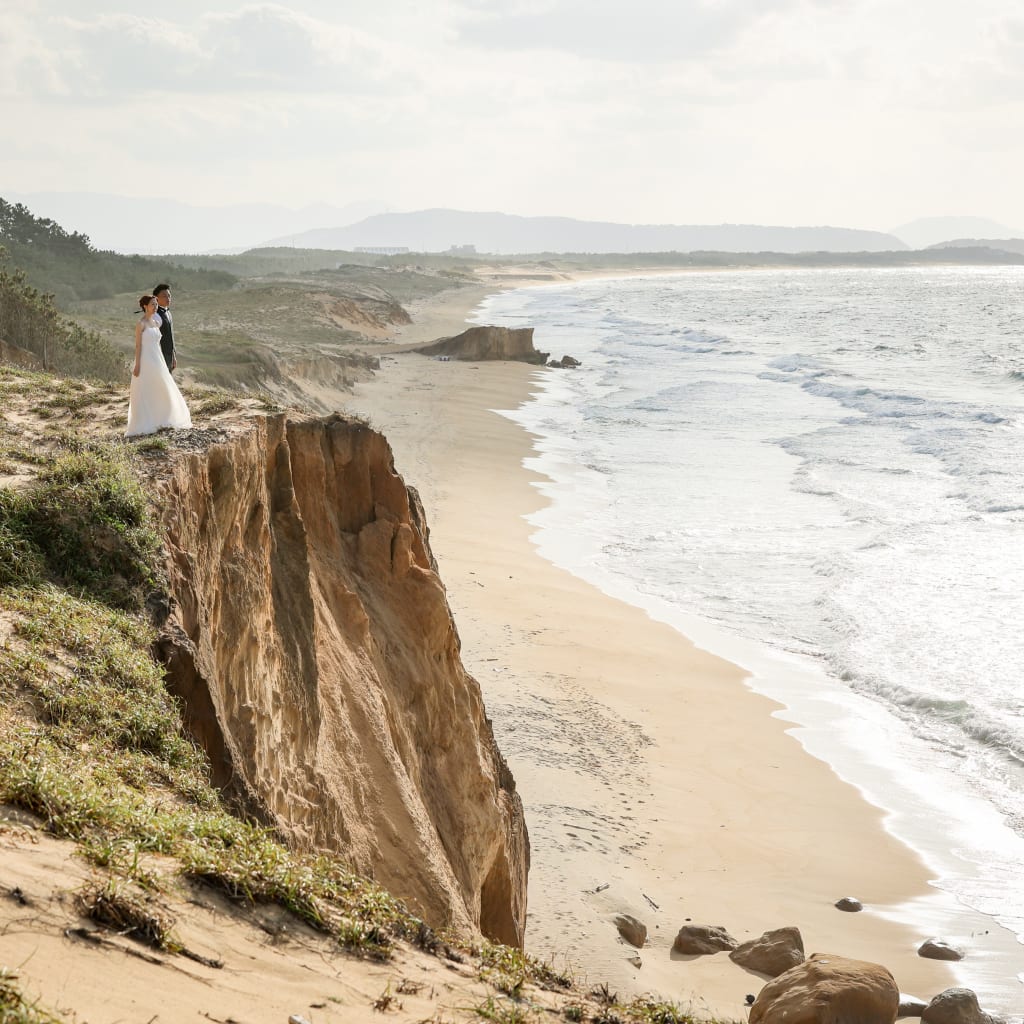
x=154, y=400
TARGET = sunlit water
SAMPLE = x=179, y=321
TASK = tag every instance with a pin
x=826, y=467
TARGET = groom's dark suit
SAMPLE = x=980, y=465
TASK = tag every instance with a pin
x=166, y=335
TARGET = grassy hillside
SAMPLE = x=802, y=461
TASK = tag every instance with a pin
x=31, y=324
x=242, y=322
x=67, y=266
x=231, y=338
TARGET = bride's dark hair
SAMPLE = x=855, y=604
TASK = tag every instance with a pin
x=145, y=301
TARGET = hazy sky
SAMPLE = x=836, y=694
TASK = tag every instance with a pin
x=864, y=113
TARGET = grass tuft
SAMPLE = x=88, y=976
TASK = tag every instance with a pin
x=216, y=402
x=506, y=967
x=114, y=906
x=645, y=1010
x=13, y=1007
x=503, y=1011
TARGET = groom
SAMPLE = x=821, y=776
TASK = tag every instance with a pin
x=162, y=294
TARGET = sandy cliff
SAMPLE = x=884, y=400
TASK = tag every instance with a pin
x=312, y=642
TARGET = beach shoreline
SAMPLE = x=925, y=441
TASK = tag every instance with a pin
x=657, y=783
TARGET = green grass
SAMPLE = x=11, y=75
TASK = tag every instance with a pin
x=212, y=404
x=645, y=1010
x=509, y=968
x=85, y=523
x=93, y=745
x=503, y=1011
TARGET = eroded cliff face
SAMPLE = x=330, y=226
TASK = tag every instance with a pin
x=312, y=643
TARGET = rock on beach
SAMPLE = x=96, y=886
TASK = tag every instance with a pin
x=826, y=989
x=702, y=939
x=773, y=953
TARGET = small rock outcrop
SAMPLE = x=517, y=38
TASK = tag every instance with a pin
x=565, y=363
x=956, y=1006
x=479, y=344
x=310, y=641
x=849, y=904
x=826, y=989
x=701, y=939
x=633, y=931
x=939, y=949
x=773, y=953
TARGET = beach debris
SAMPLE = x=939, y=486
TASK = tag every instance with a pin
x=849, y=904
x=939, y=949
x=773, y=953
x=910, y=1006
x=386, y=1001
x=633, y=931
x=749, y=998
x=635, y=961
x=601, y=888
x=701, y=939
x=297, y=1018
x=827, y=988
x=956, y=1006
x=649, y=900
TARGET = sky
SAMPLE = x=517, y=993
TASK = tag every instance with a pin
x=856, y=113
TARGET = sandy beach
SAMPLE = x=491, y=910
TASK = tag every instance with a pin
x=656, y=783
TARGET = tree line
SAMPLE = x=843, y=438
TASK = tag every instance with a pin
x=65, y=264
x=44, y=269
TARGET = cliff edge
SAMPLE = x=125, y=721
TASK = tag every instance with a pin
x=311, y=642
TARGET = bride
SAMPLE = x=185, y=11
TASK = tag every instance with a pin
x=154, y=400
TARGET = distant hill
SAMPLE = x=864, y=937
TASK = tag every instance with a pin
x=502, y=233
x=998, y=244
x=128, y=224
x=928, y=231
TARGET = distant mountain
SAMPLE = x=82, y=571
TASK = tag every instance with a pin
x=999, y=244
x=928, y=231
x=440, y=230
x=132, y=225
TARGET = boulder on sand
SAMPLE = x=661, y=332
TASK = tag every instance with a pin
x=773, y=953
x=850, y=904
x=939, y=949
x=701, y=939
x=632, y=931
x=826, y=989
x=956, y=1006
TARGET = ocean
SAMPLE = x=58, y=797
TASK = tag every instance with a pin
x=819, y=474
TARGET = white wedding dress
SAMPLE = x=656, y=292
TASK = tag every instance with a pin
x=154, y=399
